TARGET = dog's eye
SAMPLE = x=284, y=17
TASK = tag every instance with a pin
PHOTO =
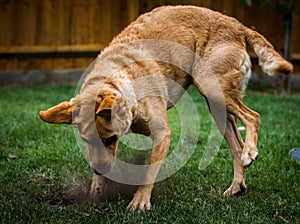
x=110, y=140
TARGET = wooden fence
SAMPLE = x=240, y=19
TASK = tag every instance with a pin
x=60, y=34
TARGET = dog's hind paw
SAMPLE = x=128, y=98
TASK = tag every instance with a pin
x=248, y=157
x=235, y=189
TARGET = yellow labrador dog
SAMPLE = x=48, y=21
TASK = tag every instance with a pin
x=145, y=70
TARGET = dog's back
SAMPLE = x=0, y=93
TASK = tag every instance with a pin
x=201, y=30
x=186, y=25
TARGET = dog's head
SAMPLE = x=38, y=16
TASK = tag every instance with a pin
x=101, y=121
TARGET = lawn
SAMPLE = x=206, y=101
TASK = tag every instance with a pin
x=40, y=162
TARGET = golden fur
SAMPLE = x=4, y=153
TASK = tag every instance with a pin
x=136, y=89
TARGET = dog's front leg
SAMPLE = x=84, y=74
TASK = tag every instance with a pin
x=161, y=135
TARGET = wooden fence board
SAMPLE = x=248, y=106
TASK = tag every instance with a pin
x=228, y=8
x=133, y=10
x=296, y=33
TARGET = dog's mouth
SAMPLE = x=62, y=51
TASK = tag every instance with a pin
x=96, y=172
x=102, y=169
x=102, y=172
x=110, y=141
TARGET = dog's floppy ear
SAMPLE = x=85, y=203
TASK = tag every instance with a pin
x=116, y=109
x=104, y=107
x=59, y=114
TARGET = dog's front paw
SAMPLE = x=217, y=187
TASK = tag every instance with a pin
x=140, y=202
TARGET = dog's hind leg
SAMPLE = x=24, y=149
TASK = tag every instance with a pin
x=238, y=148
x=231, y=88
x=251, y=121
x=249, y=118
x=236, y=144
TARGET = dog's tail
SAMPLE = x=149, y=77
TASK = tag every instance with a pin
x=270, y=61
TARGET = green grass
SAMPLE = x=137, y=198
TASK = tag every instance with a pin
x=49, y=162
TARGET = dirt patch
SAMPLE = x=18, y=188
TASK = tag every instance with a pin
x=99, y=189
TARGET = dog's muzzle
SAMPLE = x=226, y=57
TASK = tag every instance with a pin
x=103, y=168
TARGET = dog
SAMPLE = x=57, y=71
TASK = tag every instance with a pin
x=145, y=70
